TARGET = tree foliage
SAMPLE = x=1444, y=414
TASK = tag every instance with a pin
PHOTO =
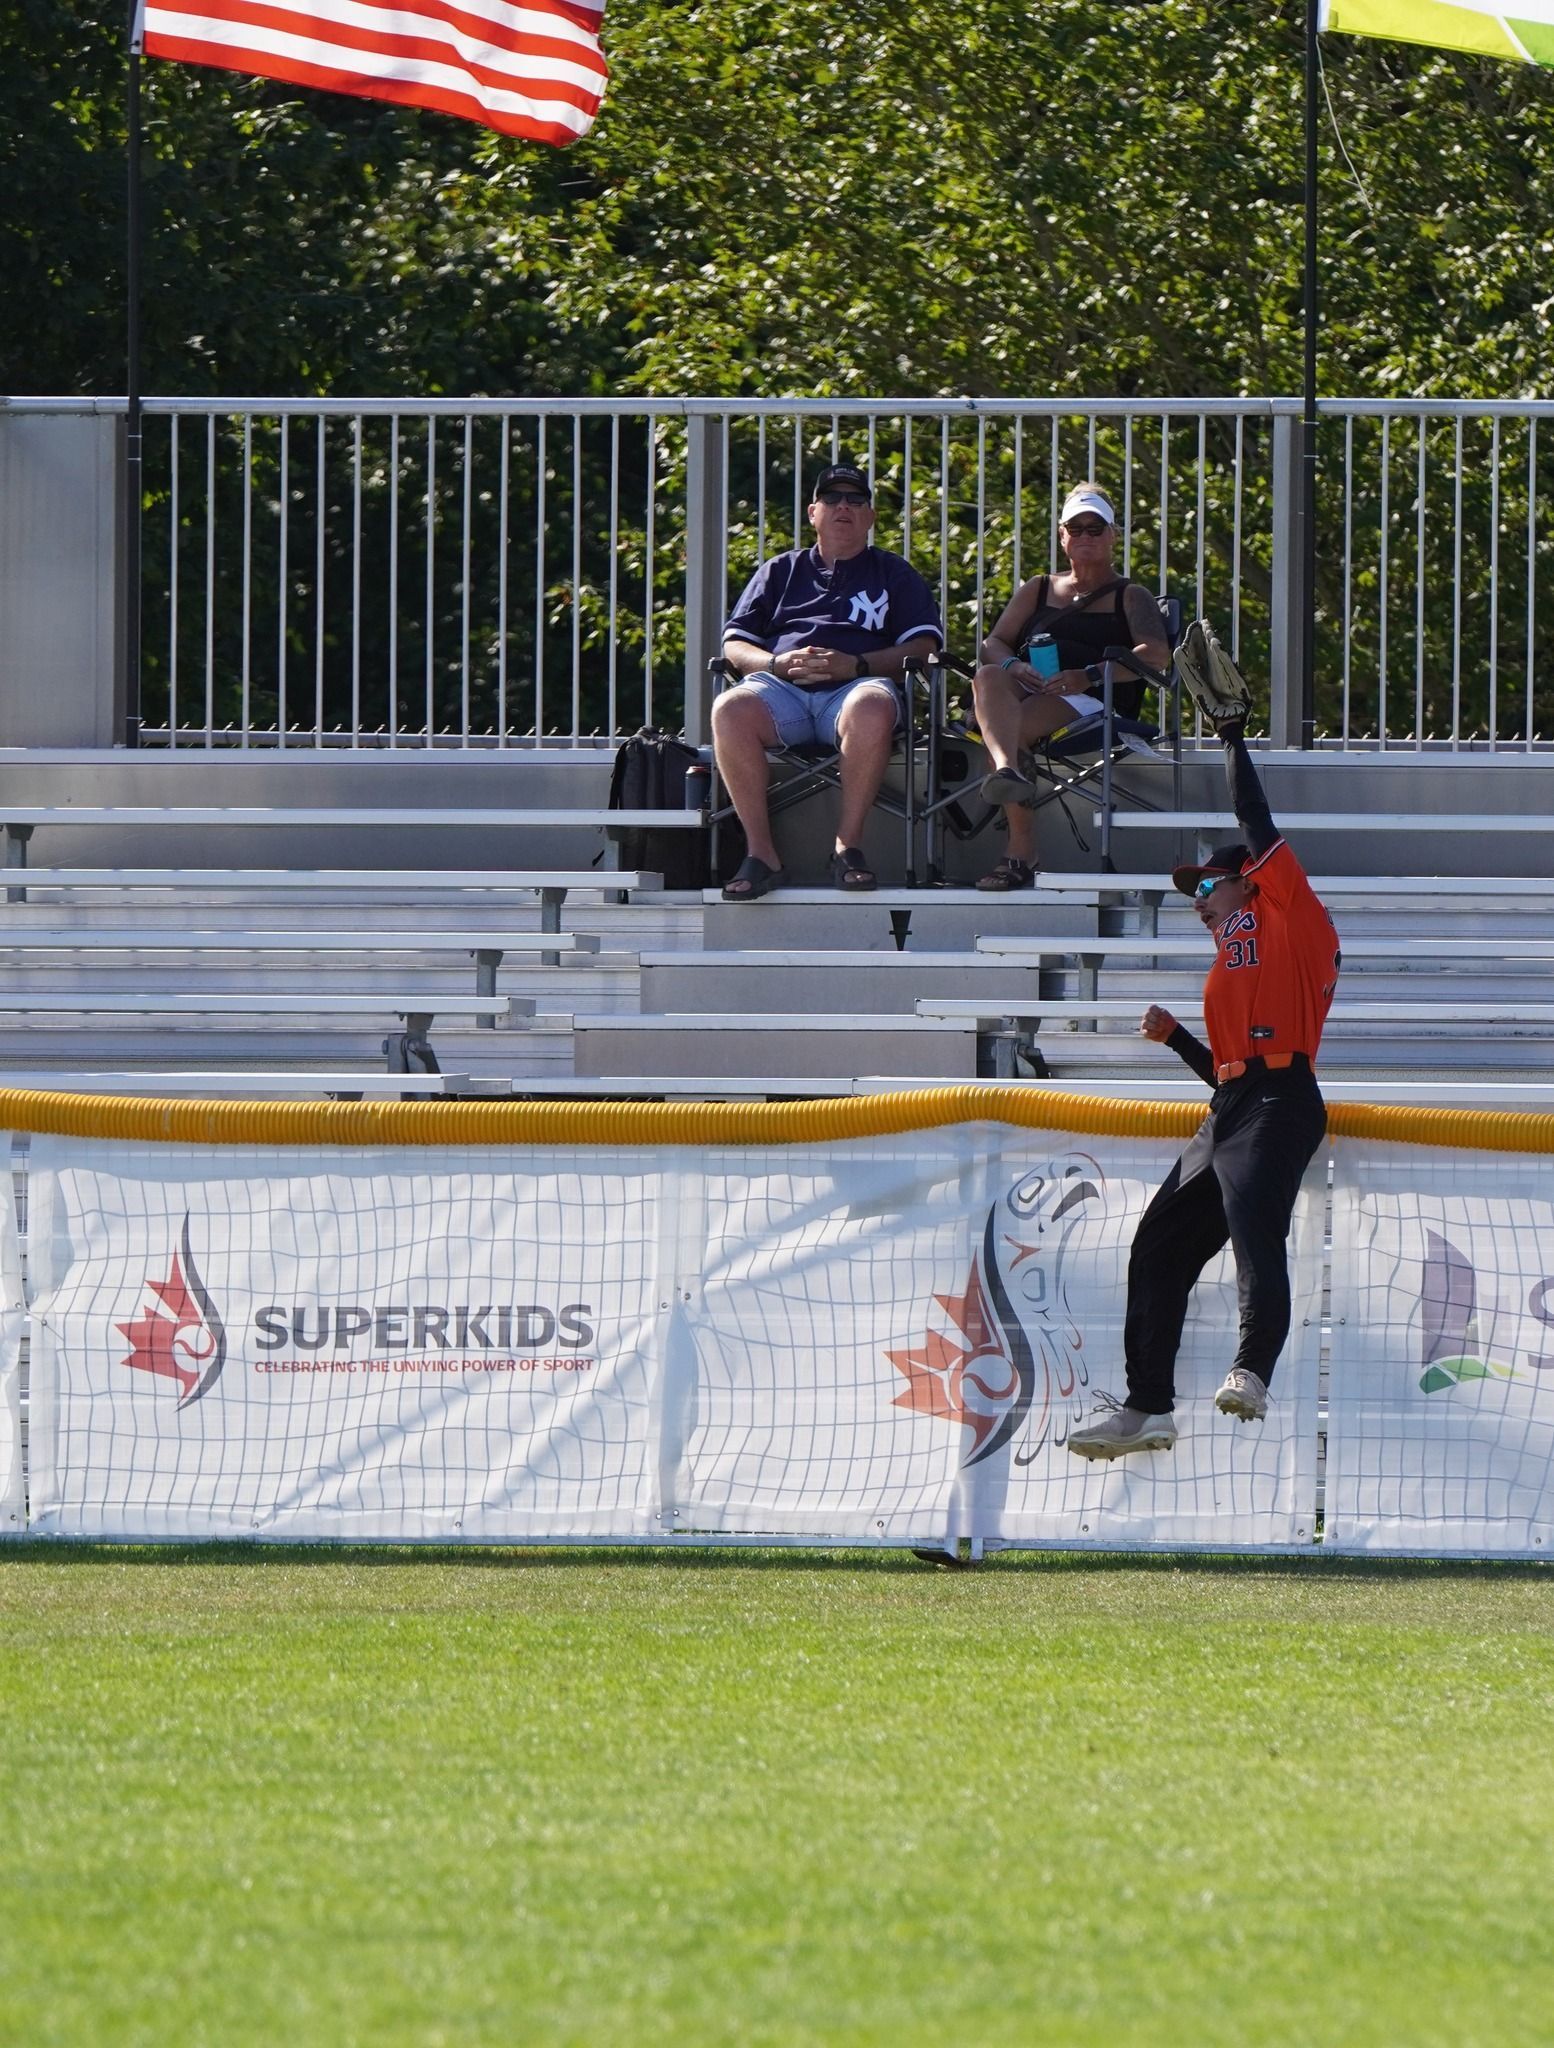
x=783, y=197
x=942, y=197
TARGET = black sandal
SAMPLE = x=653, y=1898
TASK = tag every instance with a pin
x=757, y=877
x=1010, y=874
x=849, y=871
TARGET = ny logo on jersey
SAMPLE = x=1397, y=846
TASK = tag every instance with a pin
x=869, y=612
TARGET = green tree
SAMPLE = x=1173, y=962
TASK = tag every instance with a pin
x=947, y=196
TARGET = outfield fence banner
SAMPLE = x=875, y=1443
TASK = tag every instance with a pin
x=868, y=1321
x=1440, y=1431
x=13, y=1499
x=879, y=1340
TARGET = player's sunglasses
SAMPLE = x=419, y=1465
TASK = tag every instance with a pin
x=1208, y=885
x=1088, y=529
x=843, y=498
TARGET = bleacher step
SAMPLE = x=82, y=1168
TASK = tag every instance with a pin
x=683, y=1043
x=817, y=982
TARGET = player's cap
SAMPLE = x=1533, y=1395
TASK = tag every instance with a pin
x=1087, y=499
x=1224, y=860
x=841, y=473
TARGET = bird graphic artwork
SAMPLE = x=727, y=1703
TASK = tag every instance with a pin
x=1011, y=1364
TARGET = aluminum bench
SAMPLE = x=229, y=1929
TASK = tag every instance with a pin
x=22, y=820
x=486, y=948
x=1009, y=1029
x=1219, y=822
x=551, y=885
x=1069, y=883
x=1136, y=945
x=1427, y=1010
x=711, y=1043
x=406, y=1051
x=1092, y=956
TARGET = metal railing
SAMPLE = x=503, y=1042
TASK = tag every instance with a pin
x=1436, y=520
x=539, y=572
x=523, y=572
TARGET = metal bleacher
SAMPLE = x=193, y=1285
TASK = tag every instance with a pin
x=315, y=868
x=358, y=980
x=285, y=982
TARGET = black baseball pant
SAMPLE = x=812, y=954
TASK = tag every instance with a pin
x=1236, y=1181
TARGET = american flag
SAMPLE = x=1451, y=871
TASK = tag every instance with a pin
x=534, y=70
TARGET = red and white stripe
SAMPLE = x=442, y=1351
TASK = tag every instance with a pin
x=535, y=70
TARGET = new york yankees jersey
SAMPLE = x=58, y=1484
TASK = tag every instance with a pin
x=1275, y=967
x=868, y=601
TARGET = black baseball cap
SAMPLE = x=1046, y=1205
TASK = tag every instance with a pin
x=841, y=473
x=1224, y=860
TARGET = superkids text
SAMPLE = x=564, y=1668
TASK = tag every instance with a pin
x=422, y=1326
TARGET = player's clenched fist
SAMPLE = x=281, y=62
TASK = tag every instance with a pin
x=1157, y=1023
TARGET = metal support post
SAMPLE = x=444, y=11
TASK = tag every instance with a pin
x=551, y=901
x=487, y=961
x=1289, y=623
x=16, y=838
x=410, y=1051
x=706, y=601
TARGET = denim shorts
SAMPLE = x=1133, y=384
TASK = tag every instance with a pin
x=807, y=718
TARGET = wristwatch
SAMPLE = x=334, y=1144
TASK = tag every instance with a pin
x=862, y=668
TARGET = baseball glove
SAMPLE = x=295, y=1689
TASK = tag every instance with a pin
x=1209, y=676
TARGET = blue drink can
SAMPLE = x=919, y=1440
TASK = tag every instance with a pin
x=1042, y=655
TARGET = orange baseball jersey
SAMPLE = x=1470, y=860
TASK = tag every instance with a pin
x=1276, y=967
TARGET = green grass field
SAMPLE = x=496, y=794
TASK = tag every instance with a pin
x=525, y=1797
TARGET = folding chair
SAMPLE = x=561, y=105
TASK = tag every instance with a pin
x=803, y=772
x=1069, y=762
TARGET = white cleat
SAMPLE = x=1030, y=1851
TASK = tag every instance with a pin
x=1118, y=1429
x=1243, y=1395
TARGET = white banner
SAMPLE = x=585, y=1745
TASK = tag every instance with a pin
x=1441, y=1399
x=881, y=1340
x=13, y=1498
x=897, y=1337
x=351, y=1344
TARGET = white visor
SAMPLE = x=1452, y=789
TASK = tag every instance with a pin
x=1087, y=501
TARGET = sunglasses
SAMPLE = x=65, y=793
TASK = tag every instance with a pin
x=1208, y=885
x=842, y=498
x=1090, y=529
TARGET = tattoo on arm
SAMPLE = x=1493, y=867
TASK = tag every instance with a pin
x=1146, y=626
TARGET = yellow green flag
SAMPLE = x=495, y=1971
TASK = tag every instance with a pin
x=1525, y=37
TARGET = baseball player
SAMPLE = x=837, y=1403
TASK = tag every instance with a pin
x=1265, y=1001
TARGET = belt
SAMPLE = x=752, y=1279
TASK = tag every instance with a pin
x=1262, y=1063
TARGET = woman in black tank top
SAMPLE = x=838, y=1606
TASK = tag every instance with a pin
x=1086, y=608
x=1083, y=630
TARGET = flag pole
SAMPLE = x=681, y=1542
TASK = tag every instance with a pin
x=1308, y=466
x=132, y=432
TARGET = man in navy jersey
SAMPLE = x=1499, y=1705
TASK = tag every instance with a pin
x=820, y=639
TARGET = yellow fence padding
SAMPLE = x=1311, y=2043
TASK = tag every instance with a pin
x=1478, y=1130
x=143, y=1120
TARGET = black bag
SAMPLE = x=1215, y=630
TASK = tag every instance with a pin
x=650, y=775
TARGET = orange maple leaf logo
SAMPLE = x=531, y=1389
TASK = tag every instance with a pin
x=177, y=1334
x=974, y=1383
